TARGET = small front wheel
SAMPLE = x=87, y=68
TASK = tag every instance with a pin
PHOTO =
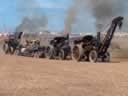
x=93, y=56
x=62, y=55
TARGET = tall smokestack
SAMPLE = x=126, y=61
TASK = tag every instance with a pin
x=70, y=19
x=71, y=16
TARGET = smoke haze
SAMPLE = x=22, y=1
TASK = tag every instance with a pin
x=101, y=10
x=33, y=18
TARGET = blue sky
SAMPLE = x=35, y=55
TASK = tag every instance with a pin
x=55, y=10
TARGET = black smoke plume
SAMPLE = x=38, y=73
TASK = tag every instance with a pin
x=101, y=10
x=33, y=19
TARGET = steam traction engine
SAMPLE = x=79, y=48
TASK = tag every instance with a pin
x=32, y=48
x=12, y=42
x=91, y=49
x=59, y=48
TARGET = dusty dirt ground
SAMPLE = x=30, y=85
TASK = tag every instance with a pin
x=22, y=76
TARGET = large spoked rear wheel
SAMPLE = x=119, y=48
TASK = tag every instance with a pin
x=77, y=53
x=6, y=48
x=93, y=56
